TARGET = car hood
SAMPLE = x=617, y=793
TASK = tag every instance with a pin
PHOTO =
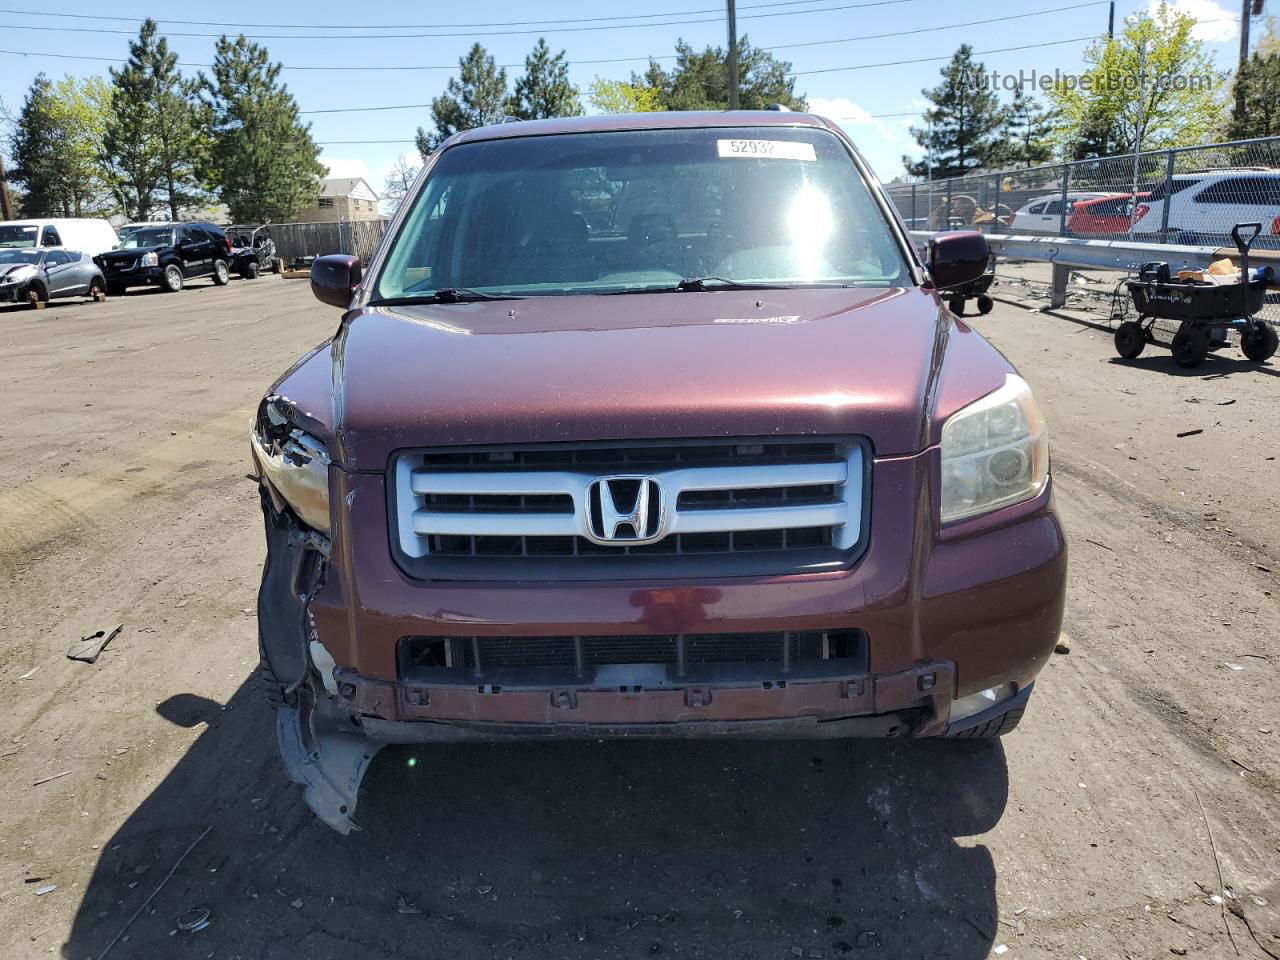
x=11, y=271
x=645, y=366
x=133, y=251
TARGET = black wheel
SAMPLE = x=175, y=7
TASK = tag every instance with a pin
x=221, y=275
x=985, y=304
x=96, y=291
x=276, y=264
x=172, y=278
x=250, y=271
x=1190, y=346
x=37, y=296
x=1130, y=339
x=1259, y=343
x=115, y=289
x=956, y=305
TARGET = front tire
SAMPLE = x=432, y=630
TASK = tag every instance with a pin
x=172, y=278
x=1130, y=339
x=250, y=271
x=956, y=306
x=985, y=304
x=221, y=275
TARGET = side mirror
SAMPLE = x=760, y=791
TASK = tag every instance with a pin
x=957, y=257
x=334, y=278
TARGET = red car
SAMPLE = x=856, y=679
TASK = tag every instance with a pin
x=715, y=461
x=1105, y=216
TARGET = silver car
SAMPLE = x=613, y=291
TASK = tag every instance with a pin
x=36, y=275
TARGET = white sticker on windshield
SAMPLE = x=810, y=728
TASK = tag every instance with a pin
x=767, y=149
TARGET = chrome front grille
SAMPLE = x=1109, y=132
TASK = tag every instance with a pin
x=538, y=511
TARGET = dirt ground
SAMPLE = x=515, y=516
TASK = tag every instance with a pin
x=1148, y=764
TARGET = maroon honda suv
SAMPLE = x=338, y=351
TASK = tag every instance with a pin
x=643, y=426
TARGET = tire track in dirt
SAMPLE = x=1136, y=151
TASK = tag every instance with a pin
x=41, y=513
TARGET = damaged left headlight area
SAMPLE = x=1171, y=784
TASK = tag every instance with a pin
x=293, y=474
x=292, y=462
x=319, y=748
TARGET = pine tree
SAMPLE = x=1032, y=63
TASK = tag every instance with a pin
x=130, y=150
x=699, y=80
x=545, y=90
x=35, y=163
x=179, y=137
x=1256, y=111
x=476, y=97
x=963, y=127
x=261, y=156
x=1028, y=132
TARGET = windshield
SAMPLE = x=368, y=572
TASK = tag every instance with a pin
x=16, y=235
x=642, y=210
x=146, y=237
x=19, y=256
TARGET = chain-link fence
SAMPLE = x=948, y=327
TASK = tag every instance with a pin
x=1187, y=195
x=1191, y=195
x=295, y=240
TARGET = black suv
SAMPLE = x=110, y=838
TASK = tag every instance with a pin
x=167, y=255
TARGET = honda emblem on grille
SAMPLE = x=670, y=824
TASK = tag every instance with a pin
x=624, y=510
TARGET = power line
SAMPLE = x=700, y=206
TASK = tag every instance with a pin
x=949, y=26
x=469, y=34
x=412, y=26
x=976, y=53
x=877, y=36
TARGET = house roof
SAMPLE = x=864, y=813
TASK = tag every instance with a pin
x=347, y=187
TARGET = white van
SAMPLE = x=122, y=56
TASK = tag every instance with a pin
x=87, y=236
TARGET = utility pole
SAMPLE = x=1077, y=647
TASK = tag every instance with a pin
x=1111, y=21
x=1139, y=128
x=1246, y=7
x=733, y=57
x=6, y=212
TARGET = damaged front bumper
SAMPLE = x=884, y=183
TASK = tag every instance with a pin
x=327, y=742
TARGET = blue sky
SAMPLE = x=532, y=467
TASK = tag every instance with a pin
x=852, y=95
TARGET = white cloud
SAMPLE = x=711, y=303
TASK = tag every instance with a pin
x=349, y=167
x=882, y=140
x=852, y=117
x=1216, y=24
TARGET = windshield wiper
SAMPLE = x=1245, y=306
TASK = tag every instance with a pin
x=703, y=284
x=442, y=295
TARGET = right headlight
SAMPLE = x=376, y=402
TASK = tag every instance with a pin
x=295, y=463
x=995, y=452
x=150, y=260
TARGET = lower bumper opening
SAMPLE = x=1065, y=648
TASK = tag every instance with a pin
x=612, y=661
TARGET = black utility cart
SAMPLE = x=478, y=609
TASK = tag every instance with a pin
x=974, y=289
x=1204, y=311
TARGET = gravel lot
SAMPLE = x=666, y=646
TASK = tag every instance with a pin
x=1149, y=762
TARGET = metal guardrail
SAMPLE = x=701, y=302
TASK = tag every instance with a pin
x=1064, y=253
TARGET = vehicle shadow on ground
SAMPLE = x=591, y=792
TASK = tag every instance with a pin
x=566, y=849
